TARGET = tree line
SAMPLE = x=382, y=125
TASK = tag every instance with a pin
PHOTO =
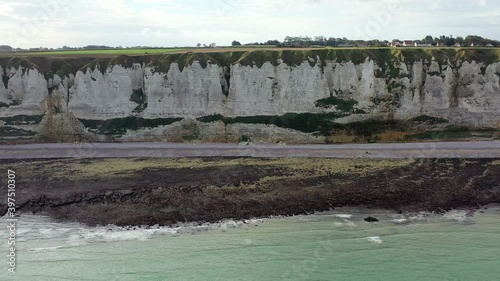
x=306, y=41
x=301, y=41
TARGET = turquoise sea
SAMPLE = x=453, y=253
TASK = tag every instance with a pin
x=336, y=245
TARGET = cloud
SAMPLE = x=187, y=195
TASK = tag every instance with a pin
x=54, y=23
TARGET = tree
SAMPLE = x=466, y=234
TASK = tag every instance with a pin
x=236, y=43
x=198, y=45
x=272, y=42
x=5, y=48
x=479, y=41
x=428, y=39
x=331, y=42
x=319, y=40
x=450, y=41
x=212, y=45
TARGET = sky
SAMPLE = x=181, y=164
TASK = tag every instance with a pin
x=55, y=23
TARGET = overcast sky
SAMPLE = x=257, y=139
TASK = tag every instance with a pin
x=54, y=23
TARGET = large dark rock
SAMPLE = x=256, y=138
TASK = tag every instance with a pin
x=371, y=219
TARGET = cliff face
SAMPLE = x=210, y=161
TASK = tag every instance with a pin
x=291, y=96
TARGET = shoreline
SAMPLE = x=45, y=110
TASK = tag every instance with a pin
x=430, y=150
x=346, y=214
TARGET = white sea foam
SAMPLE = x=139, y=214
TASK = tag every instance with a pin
x=400, y=221
x=458, y=215
x=375, y=239
x=113, y=233
x=343, y=216
x=345, y=223
x=43, y=228
x=455, y=215
x=419, y=216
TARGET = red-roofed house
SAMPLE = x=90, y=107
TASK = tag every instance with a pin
x=395, y=43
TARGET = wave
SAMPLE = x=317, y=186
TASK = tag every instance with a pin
x=114, y=233
x=461, y=216
x=401, y=221
x=343, y=216
x=47, y=249
x=44, y=228
x=375, y=239
x=458, y=215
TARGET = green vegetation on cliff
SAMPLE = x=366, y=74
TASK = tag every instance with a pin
x=370, y=130
x=320, y=123
x=120, y=126
x=7, y=132
x=46, y=65
x=340, y=104
x=22, y=120
x=386, y=58
x=317, y=123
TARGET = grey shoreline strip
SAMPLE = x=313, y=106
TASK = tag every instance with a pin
x=165, y=150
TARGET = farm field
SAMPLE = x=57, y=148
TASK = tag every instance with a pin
x=139, y=52
x=107, y=52
x=162, y=51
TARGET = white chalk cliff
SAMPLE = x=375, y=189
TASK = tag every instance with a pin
x=466, y=93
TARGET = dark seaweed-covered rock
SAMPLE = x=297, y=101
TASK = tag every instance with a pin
x=371, y=219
